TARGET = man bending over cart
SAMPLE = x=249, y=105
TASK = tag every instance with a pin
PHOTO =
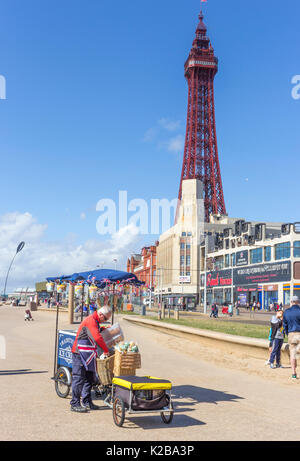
x=88, y=344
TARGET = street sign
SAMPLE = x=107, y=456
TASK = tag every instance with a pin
x=185, y=279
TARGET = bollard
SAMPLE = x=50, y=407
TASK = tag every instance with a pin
x=163, y=312
x=168, y=314
x=159, y=315
x=176, y=314
x=143, y=310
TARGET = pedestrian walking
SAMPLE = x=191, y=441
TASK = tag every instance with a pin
x=291, y=323
x=216, y=316
x=277, y=338
x=212, y=314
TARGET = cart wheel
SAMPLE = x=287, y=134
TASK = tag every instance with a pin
x=167, y=416
x=63, y=382
x=119, y=412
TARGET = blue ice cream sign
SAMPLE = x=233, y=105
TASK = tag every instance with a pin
x=65, y=343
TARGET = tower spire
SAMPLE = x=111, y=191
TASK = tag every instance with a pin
x=201, y=25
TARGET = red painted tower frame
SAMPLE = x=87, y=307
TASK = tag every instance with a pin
x=201, y=160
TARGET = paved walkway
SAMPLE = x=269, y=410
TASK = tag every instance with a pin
x=213, y=400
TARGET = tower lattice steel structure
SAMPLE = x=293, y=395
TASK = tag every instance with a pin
x=201, y=160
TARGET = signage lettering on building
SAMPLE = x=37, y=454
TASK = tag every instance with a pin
x=263, y=273
x=185, y=279
x=219, y=279
x=242, y=258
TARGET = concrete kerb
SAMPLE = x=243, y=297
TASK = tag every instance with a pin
x=240, y=345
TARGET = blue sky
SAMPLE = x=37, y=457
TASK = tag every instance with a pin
x=96, y=103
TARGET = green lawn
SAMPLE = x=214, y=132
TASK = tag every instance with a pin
x=231, y=328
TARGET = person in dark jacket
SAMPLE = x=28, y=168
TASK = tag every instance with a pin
x=87, y=345
x=291, y=323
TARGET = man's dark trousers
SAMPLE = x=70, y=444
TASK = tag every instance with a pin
x=82, y=382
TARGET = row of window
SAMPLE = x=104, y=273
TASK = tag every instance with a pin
x=259, y=255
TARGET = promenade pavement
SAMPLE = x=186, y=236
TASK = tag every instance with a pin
x=216, y=398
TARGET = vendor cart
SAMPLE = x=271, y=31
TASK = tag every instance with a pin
x=141, y=395
x=124, y=394
x=64, y=339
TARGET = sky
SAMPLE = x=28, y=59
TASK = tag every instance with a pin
x=96, y=103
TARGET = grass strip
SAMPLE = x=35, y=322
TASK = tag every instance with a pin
x=227, y=327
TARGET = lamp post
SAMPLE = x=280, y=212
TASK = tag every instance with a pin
x=115, y=261
x=19, y=249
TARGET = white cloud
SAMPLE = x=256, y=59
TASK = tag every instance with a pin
x=40, y=259
x=169, y=125
x=156, y=134
x=175, y=144
x=150, y=135
x=82, y=216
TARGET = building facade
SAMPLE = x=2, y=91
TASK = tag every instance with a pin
x=179, y=258
x=144, y=265
x=255, y=262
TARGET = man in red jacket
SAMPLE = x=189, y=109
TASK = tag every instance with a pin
x=87, y=345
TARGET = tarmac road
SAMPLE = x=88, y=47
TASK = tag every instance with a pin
x=215, y=398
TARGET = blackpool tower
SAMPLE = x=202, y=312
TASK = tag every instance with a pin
x=201, y=160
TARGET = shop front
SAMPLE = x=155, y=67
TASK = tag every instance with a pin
x=270, y=295
x=247, y=295
x=260, y=283
x=219, y=287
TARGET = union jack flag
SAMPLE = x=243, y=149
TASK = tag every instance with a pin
x=88, y=354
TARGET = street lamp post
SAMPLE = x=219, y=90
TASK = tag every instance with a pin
x=115, y=261
x=19, y=249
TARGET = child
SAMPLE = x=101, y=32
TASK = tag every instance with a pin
x=270, y=344
x=277, y=337
x=28, y=315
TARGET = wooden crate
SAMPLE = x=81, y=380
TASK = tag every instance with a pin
x=126, y=364
x=128, y=360
x=119, y=371
x=105, y=370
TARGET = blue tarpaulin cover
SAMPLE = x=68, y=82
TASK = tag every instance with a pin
x=98, y=277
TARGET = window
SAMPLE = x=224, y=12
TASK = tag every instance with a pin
x=189, y=234
x=268, y=254
x=219, y=263
x=227, y=260
x=256, y=256
x=282, y=251
x=297, y=249
x=182, y=246
x=188, y=260
x=183, y=234
x=233, y=259
x=182, y=260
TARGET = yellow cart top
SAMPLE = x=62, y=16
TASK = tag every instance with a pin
x=137, y=383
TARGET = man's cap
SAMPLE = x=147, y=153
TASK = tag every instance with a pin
x=295, y=299
x=105, y=310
